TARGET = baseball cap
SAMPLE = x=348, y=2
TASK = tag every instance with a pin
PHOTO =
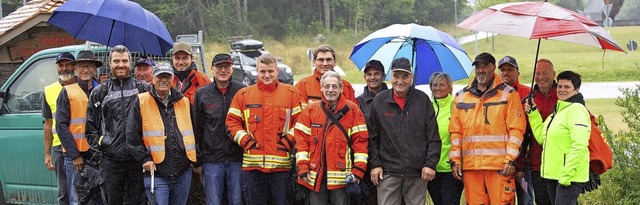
x=145, y=60
x=374, y=64
x=221, y=58
x=181, y=46
x=509, y=60
x=484, y=58
x=162, y=68
x=401, y=64
x=65, y=56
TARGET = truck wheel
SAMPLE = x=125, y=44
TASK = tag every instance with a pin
x=246, y=80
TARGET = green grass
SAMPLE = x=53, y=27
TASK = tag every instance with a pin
x=610, y=112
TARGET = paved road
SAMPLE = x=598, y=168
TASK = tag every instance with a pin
x=589, y=90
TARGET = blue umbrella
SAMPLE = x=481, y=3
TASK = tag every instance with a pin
x=114, y=22
x=429, y=50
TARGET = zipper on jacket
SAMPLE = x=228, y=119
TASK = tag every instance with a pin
x=564, y=159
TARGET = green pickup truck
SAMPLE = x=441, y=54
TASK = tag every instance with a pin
x=23, y=177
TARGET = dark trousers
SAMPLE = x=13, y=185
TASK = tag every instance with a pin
x=262, y=188
x=540, y=189
x=122, y=182
x=562, y=195
x=326, y=197
x=444, y=189
x=61, y=176
x=525, y=197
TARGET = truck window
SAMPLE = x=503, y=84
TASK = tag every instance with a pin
x=25, y=93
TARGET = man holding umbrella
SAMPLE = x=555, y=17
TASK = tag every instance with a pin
x=487, y=124
x=106, y=125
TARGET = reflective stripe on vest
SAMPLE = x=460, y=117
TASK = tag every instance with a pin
x=153, y=127
x=51, y=93
x=78, y=106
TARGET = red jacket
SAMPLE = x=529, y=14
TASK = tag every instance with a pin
x=256, y=120
x=314, y=145
x=545, y=106
x=309, y=88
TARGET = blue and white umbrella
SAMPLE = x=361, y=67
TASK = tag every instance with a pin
x=429, y=49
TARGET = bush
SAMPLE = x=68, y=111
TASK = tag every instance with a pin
x=619, y=185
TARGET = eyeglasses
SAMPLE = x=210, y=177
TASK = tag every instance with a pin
x=331, y=86
x=327, y=60
x=85, y=66
x=224, y=67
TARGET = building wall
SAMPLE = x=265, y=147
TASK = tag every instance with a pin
x=6, y=69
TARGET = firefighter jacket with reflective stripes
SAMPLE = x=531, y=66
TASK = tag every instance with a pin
x=51, y=93
x=309, y=88
x=189, y=85
x=162, y=132
x=71, y=118
x=403, y=141
x=322, y=148
x=108, y=114
x=564, y=136
x=256, y=120
x=486, y=127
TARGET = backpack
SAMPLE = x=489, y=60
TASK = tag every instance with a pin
x=600, y=153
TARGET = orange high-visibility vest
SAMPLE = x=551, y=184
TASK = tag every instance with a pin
x=78, y=106
x=153, y=128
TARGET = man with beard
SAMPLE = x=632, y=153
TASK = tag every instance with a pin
x=324, y=58
x=51, y=140
x=70, y=125
x=144, y=68
x=187, y=78
x=487, y=124
x=404, y=144
x=107, y=115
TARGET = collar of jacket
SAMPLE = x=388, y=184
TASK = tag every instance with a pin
x=341, y=103
x=444, y=101
x=85, y=85
x=183, y=74
x=389, y=98
x=562, y=104
x=369, y=95
x=515, y=84
x=215, y=82
x=174, y=95
x=316, y=74
x=124, y=80
x=269, y=88
x=473, y=86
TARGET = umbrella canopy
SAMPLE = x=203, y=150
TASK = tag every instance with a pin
x=114, y=22
x=429, y=49
x=541, y=20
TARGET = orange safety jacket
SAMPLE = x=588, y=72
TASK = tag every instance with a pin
x=153, y=134
x=78, y=101
x=486, y=128
x=191, y=83
x=319, y=141
x=256, y=120
x=309, y=88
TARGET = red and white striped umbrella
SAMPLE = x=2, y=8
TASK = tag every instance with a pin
x=541, y=20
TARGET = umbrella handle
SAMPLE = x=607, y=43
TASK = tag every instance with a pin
x=152, y=182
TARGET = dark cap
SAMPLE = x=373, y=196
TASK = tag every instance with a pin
x=181, y=46
x=88, y=56
x=374, y=64
x=485, y=58
x=221, y=58
x=401, y=64
x=509, y=60
x=65, y=56
x=162, y=68
x=145, y=60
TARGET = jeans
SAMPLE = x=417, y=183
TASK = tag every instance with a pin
x=70, y=172
x=445, y=190
x=169, y=190
x=122, y=182
x=540, y=189
x=61, y=176
x=562, y=195
x=326, y=197
x=525, y=198
x=262, y=188
x=219, y=174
